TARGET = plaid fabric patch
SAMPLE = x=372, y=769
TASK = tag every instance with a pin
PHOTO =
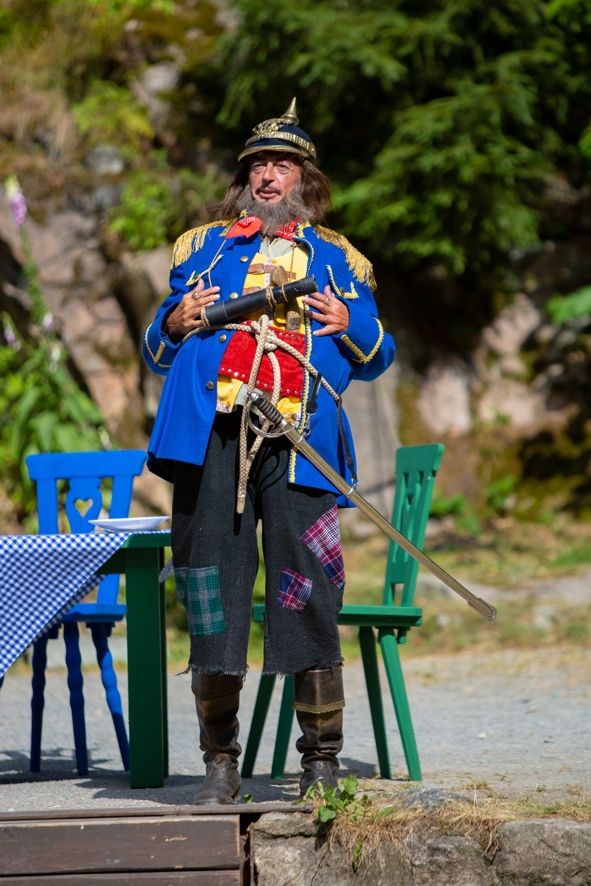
x=324, y=540
x=199, y=592
x=294, y=589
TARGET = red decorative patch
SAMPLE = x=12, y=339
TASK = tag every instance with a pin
x=324, y=540
x=294, y=589
x=245, y=227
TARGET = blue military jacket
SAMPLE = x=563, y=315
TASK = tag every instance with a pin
x=188, y=403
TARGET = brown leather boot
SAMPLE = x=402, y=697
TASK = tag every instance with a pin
x=319, y=703
x=217, y=698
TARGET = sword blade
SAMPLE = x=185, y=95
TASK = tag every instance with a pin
x=485, y=609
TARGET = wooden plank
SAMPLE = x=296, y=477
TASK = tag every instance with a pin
x=174, y=878
x=122, y=844
x=156, y=811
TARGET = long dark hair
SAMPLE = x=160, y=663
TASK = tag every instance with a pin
x=314, y=192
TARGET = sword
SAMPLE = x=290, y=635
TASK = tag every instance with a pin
x=281, y=427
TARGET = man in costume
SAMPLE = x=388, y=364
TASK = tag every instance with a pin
x=302, y=355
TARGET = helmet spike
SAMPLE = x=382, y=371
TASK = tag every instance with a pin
x=291, y=115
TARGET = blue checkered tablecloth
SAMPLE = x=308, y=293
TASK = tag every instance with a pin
x=41, y=577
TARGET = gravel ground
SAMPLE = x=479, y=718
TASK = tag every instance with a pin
x=516, y=722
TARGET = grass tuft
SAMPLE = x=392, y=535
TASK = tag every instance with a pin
x=361, y=825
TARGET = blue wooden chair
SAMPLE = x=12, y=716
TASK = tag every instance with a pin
x=385, y=625
x=80, y=501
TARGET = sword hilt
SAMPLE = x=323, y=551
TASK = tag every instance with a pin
x=271, y=413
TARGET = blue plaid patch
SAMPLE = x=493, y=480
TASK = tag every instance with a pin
x=198, y=590
x=294, y=589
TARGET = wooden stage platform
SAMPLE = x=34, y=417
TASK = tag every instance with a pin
x=175, y=846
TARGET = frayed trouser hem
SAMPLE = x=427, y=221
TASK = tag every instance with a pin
x=315, y=667
x=213, y=672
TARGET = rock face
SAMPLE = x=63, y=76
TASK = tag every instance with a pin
x=491, y=388
x=444, y=400
x=285, y=852
x=545, y=853
x=371, y=409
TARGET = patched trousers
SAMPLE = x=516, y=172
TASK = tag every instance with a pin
x=216, y=558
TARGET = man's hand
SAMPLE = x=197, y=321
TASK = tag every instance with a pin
x=187, y=315
x=328, y=310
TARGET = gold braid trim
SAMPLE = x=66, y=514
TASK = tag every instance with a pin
x=155, y=356
x=358, y=264
x=352, y=294
x=191, y=241
x=361, y=357
x=318, y=709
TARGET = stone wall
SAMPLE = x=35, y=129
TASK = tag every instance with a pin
x=549, y=852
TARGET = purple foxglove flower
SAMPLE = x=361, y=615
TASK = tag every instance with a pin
x=16, y=200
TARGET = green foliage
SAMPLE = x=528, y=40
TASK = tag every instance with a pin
x=111, y=113
x=438, y=124
x=147, y=207
x=131, y=6
x=156, y=205
x=580, y=555
x=500, y=495
x=332, y=802
x=42, y=409
x=448, y=506
x=571, y=307
x=499, y=500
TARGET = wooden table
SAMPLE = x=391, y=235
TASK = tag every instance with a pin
x=140, y=559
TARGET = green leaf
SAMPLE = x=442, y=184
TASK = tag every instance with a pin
x=349, y=788
x=45, y=426
x=571, y=307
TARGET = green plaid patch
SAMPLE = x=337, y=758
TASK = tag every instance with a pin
x=199, y=592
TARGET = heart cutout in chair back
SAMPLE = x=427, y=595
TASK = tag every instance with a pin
x=83, y=506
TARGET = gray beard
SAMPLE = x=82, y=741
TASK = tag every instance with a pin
x=274, y=215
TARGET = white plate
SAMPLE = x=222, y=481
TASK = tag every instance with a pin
x=129, y=524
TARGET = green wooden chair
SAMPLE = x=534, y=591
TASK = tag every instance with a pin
x=386, y=625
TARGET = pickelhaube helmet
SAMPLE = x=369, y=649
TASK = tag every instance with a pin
x=280, y=134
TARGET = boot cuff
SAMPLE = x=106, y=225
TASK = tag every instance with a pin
x=212, y=686
x=320, y=691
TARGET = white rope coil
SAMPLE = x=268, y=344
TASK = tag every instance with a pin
x=267, y=343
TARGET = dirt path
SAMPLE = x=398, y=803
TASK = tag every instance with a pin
x=512, y=721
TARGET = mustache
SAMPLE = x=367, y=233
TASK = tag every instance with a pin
x=273, y=215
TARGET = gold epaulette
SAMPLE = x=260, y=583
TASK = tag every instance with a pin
x=358, y=264
x=191, y=241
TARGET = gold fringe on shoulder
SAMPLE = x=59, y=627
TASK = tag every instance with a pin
x=358, y=264
x=191, y=241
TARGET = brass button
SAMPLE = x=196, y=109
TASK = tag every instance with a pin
x=233, y=295
x=243, y=258
x=210, y=386
x=223, y=337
